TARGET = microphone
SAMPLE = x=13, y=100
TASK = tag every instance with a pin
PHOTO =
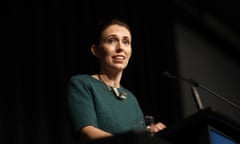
x=196, y=84
x=190, y=81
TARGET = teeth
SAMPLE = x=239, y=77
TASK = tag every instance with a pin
x=119, y=57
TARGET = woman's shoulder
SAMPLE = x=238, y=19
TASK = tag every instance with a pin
x=81, y=77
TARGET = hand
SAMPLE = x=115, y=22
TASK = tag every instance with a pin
x=156, y=127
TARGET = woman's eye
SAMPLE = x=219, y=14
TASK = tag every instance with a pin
x=111, y=40
x=126, y=42
x=115, y=40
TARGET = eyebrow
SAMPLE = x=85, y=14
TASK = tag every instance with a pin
x=113, y=35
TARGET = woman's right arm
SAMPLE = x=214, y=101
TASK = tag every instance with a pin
x=90, y=133
x=82, y=111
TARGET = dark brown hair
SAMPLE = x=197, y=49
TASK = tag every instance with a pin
x=104, y=23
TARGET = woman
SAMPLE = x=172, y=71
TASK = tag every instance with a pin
x=99, y=105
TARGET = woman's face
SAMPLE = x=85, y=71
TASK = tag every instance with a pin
x=114, y=50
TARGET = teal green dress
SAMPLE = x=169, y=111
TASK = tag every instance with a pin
x=91, y=102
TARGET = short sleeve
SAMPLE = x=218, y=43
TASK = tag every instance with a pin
x=80, y=102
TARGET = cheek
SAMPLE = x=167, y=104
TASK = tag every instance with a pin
x=130, y=53
x=104, y=53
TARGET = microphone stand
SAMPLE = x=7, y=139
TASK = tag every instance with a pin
x=195, y=85
x=220, y=97
x=197, y=97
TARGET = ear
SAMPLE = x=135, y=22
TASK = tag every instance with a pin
x=94, y=50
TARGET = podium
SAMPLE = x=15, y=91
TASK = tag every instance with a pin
x=204, y=127
x=132, y=137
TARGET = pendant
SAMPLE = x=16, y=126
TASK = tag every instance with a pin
x=121, y=96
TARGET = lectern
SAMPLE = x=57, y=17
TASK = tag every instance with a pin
x=204, y=127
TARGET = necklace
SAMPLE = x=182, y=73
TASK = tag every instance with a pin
x=120, y=96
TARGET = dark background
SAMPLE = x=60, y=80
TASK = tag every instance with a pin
x=51, y=43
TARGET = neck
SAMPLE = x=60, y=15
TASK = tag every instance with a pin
x=114, y=88
x=108, y=81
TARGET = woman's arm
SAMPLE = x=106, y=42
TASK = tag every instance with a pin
x=90, y=133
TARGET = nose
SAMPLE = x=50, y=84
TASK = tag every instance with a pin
x=120, y=46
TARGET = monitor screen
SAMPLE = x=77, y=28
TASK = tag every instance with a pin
x=217, y=137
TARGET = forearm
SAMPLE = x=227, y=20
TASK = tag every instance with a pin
x=90, y=133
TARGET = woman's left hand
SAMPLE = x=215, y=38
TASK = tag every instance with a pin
x=156, y=127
